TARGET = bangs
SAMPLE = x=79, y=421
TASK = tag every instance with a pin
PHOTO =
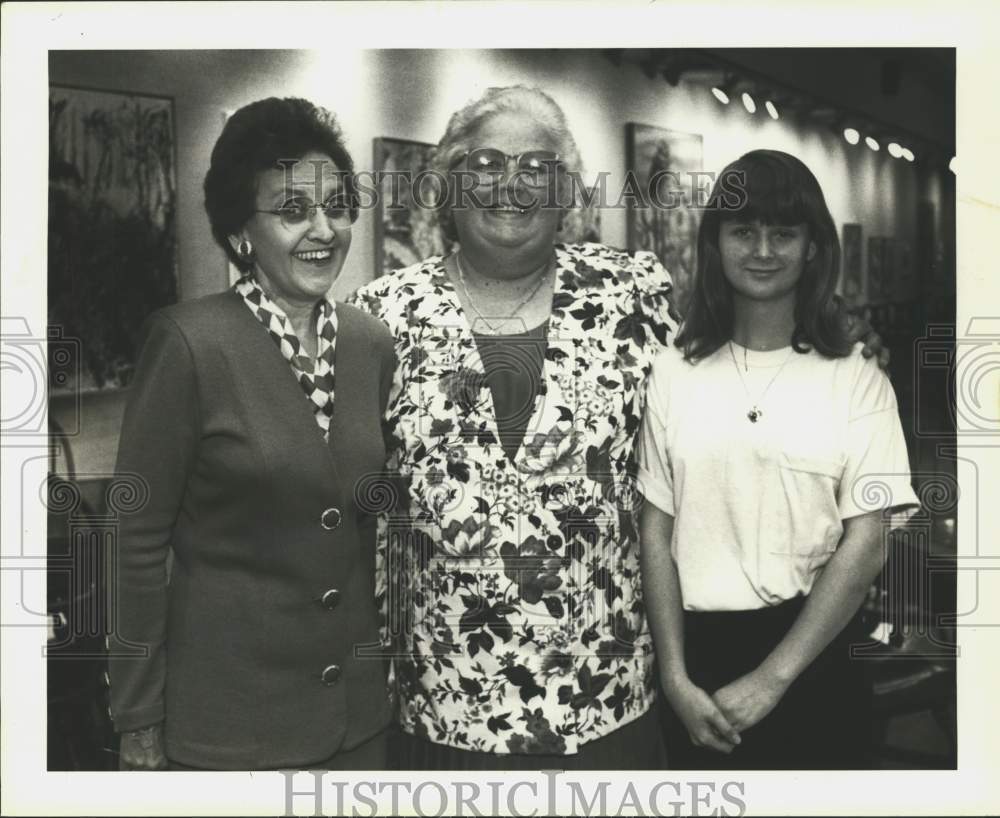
x=769, y=192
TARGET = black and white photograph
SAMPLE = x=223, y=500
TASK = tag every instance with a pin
x=605, y=415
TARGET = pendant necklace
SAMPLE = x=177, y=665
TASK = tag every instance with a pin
x=515, y=311
x=755, y=413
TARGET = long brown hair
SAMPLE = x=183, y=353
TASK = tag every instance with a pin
x=774, y=188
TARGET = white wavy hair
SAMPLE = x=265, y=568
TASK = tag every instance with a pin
x=464, y=123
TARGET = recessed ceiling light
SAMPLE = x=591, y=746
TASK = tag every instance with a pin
x=852, y=136
x=748, y=103
x=871, y=143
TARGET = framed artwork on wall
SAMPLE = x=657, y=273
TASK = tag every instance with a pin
x=405, y=232
x=583, y=223
x=889, y=269
x=875, y=272
x=905, y=281
x=665, y=221
x=851, y=282
x=112, y=228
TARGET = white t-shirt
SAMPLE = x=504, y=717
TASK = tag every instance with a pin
x=758, y=506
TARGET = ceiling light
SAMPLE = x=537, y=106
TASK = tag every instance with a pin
x=953, y=165
x=748, y=103
x=895, y=151
x=908, y=155
x=720, y=95
x=722, y=91
x=771, y=110
x=852, y=136
x=871, y=143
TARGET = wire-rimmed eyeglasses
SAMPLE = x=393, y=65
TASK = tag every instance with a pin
x=295, y=213
x=534, y=168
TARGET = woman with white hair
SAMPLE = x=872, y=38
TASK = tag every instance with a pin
x=517, y=400
x=520, y=632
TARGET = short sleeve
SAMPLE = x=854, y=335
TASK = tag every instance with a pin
x=655, y=477
x=655, y=301
x=877, y=470
x=367, y=300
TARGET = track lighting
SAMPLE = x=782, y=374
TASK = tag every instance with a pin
x=724, y=90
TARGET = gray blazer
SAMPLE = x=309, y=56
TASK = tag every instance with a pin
x=251, y=663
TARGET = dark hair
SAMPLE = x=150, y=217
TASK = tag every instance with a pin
x=254, y=139
x=774, y=188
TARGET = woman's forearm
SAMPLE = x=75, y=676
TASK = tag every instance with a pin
x=661, y=591
x=835, y=598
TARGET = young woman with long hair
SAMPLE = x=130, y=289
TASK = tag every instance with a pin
x=771, y=458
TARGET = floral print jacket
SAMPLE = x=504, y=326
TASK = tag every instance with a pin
x=512, y=588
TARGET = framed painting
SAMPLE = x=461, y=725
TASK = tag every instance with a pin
x=405, y=231
x=583, y=224
x=889, y=269
x=851, y=281
x=663, y=217
x=905, y=282
x=112, y=227
x=875, y=271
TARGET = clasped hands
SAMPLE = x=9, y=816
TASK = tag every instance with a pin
x=716, y=721
x=143, y=749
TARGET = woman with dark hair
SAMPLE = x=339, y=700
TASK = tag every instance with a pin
x=252, y=655
x=770, y=456
x=772, y=188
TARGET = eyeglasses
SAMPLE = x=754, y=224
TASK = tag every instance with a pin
x=534, y=168
x=297, y=212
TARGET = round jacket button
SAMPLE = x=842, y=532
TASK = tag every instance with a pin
x=330, y=599
x=330, y=519
x=331, y=674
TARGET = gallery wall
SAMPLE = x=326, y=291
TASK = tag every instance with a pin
x=410, y=94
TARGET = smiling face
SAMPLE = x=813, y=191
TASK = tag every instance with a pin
x=510, y=216
x=297, y=264
x=764, y=262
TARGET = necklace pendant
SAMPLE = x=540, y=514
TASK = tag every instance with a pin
x=754, y=414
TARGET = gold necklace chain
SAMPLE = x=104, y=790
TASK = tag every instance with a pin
x=515, y=311
x=755, y=413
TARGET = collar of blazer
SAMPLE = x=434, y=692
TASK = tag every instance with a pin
x=276, y=403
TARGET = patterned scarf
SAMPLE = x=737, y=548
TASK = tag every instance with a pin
x=316, y=380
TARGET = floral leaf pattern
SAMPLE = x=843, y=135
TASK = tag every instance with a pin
x=515, y=603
